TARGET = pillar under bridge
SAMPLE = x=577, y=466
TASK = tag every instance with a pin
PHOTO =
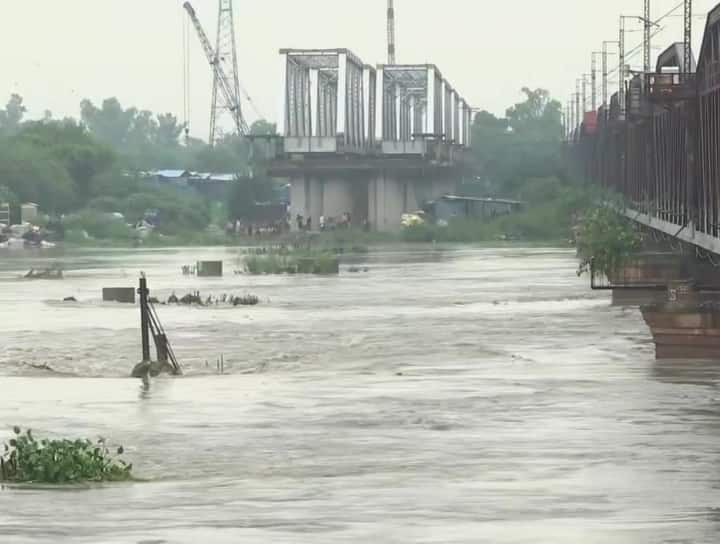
x=678, y=294
x=372, y=192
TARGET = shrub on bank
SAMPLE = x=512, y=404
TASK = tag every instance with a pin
x=27, y=460
x=549, y=215
x=305, y=263
x=99, y=225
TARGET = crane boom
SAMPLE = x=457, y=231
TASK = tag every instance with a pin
x=231, y=98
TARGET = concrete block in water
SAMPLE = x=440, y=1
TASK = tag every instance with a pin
x=125, y=295
x=209, y=269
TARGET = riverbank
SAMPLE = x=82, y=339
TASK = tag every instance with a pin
x=551, y=210
x=543, y=225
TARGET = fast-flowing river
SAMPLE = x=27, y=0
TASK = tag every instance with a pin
x=455, y=395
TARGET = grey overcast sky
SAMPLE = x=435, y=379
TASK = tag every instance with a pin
x=57, y=52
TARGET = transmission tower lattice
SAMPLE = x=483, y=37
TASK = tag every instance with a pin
x=687, y=37
x=391, y=32
x=226, y=88
x=225, y=56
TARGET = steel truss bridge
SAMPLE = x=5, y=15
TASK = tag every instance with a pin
x=663, y=153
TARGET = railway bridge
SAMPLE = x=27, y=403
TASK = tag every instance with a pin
x=366, y=142
x=657, y=143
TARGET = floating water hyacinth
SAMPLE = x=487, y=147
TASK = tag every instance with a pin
x=26, y=459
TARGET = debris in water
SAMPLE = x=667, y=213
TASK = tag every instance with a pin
x=54, y=273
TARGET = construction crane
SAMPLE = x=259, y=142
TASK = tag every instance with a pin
x=391, y=32
x=230, y=89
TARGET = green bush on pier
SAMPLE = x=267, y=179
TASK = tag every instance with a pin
x=606, y=240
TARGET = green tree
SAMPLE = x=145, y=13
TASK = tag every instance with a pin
x=69, y=143
x=538, y=112
x=526, y=144
x=110, y=123
x=168, y=130
x=34, y=175
x=7, y=196
x=261, y=127
x=141, y=133
x=245, y=192
x=11, y=117
x=230, y=155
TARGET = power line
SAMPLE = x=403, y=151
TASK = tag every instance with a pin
x=635, y=50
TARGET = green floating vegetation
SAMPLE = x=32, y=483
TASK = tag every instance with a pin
x=321, y=264
x=28, y=460
x=606, y=241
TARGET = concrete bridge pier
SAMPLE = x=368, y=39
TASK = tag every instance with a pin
x=687, y=324
x=645, y=278
x=388, y=198
x=313, y=197
x=679, y=297
x=391, y=195
x=376, y=194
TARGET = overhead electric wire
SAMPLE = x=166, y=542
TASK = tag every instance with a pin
x=630, y=54
x=635, y=50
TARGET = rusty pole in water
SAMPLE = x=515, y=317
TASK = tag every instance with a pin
x=144, y=320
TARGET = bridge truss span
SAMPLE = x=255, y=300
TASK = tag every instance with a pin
x=664, y=155
x=327, y=102
x=332, y=102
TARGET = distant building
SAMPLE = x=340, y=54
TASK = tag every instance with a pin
x=28, y=212
x=451, y=207
x=174, y=176
x=211, y=185
x=175, y=179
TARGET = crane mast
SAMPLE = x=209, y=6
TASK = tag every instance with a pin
x=230, y=91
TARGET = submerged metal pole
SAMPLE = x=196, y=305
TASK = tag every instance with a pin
x=144, y=320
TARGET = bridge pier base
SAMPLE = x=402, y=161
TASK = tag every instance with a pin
x=377, y=191
x=637, y=297
x=644, y=280
x=679, y=297
x=687, y=325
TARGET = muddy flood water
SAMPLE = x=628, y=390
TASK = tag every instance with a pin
x=459, y=395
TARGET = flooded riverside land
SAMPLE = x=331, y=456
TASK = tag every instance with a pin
x=446, y=395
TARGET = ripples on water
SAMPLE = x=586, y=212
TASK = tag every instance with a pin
x=475, y=395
